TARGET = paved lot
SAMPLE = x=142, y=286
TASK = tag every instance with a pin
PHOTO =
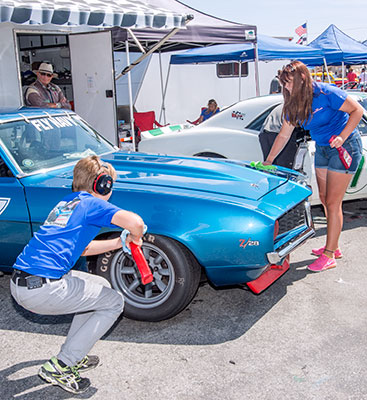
x=304, y=338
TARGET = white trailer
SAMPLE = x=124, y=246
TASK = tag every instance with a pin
x=190, y=86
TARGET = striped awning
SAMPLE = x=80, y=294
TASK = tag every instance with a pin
x=96, y=13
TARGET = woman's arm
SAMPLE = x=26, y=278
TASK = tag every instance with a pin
x=355, y=112
x=279, y=143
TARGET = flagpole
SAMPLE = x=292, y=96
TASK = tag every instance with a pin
x=306, y=32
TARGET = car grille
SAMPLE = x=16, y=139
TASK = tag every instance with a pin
x=292, y=218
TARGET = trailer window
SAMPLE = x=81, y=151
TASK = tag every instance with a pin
x=230, y=70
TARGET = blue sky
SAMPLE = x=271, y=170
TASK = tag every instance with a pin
x=281, y=17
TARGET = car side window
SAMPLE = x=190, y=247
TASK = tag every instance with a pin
x=4, y=169
x=258, y=122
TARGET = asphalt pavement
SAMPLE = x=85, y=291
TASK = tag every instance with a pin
x=305, y=337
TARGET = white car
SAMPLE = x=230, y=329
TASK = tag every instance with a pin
x=233, y=133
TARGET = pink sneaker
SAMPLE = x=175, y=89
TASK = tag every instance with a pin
x=318, y=252
x=322, y=263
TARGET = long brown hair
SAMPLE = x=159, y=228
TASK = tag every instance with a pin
x=298, y=104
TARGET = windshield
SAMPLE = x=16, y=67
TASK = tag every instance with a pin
x=47, y=142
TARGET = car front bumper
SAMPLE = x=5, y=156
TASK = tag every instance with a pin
x=294, y=239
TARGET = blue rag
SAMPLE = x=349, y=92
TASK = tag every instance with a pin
x=123, y=237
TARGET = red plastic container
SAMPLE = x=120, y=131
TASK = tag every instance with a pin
x=141, y=263
x=344, y=156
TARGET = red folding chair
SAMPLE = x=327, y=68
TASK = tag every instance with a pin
x=197, y=120
x=145, y=121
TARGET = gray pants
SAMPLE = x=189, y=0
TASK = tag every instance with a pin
x=90, y=297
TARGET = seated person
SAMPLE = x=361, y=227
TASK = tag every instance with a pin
x=43, y=93
x=206, y=113
x=269, y=132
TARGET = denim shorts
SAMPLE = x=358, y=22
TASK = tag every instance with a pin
x=328, y=158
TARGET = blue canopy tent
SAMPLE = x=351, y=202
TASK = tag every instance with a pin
x=268, y=49
x=338, y=47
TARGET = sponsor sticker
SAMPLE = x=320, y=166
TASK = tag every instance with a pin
x=46, y=124
x=238, y=115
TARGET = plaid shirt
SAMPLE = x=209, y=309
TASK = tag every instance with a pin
x=38, y=95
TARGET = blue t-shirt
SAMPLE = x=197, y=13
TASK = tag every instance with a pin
x=326, y=120
x=68, y=229
x=206, y=114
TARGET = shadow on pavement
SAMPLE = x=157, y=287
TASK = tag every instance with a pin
x=30, y=387
x=214, y=316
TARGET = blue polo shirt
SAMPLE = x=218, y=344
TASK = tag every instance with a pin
x=326, y=119
x=68, y=229
x=206, y=114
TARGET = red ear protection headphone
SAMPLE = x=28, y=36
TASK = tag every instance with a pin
x=103, y=184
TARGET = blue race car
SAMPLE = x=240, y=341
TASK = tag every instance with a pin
x=225, y=218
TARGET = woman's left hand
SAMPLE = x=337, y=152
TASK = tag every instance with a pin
x=337, y=142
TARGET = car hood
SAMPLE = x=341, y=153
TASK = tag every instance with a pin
x=224, y=177
x=200, y=176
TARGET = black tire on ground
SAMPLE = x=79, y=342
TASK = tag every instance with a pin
x=209, y=154
x=176, y=278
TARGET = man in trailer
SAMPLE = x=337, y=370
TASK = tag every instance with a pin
x=43, y=93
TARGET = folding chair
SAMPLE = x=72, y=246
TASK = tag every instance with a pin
x=145, y=121
x=197, y=120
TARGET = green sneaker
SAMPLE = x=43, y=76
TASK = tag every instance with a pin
x=88, y=362
x=67, y=378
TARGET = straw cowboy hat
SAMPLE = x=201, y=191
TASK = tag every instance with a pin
x=45, y=67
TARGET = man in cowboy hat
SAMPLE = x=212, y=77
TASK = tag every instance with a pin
x=43, y=93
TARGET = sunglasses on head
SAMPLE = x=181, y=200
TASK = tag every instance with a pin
x=289, y=67
x=46, y=74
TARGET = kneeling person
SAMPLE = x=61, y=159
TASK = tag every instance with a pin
x=43, y=282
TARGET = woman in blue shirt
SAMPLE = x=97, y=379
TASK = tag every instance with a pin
x=325, y=111
x=206, y=113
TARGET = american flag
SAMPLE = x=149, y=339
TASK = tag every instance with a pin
x=302, y=29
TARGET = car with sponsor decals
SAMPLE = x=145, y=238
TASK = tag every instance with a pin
x=233, y=134
x=224, y=219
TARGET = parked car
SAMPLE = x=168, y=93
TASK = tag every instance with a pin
x=355, y=86
x=223, y=218
x=233, y=134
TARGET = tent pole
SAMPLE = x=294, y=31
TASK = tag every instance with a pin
x=163, y=107
x=130, y=95
x=136, y=40
x=257, y=83
x=153, y=48
x=162, y=90
x=342, y=73
x=239, y=80
x=326, y=70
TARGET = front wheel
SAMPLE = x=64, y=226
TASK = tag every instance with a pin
x=176, y=276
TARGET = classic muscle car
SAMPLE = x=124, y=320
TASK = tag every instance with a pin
x=226, y=219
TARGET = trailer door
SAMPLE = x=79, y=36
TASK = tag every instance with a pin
x=93, y=76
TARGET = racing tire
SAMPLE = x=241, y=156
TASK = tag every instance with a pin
x=209, y=154
x=176, y=276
